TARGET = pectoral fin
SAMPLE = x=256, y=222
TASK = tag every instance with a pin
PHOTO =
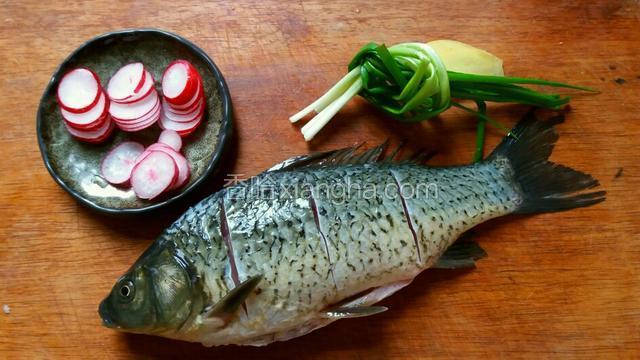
x=228, y=305
x=460, y=255
x=353, y=312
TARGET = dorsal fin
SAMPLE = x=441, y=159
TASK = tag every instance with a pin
x=349, y=155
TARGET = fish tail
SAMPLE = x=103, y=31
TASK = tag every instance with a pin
x=545, y=186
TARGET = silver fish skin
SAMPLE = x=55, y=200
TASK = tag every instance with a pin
x=318, y=236
x=314, y=251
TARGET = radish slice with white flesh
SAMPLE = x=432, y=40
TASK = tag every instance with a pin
x=117, y=165
x=104, y=137
x=182, y=128
x=175, y=79
x=140, y=126
x=179, y=82
x=97, y=135
x=186, y=111
x=192, y=102
x=141, y=119
x=183, y=133
x=79, y=90
x=88, y=118
x=153, y=175
x=171, y=138
x=126, y=82
x=93, y=126
x=134, y=110
x=146, y=154
x=90, y=127
x=142, y=156
x=189, y=117
x=181, y=162
x=145, y=90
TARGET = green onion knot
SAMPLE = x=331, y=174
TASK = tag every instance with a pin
x=408, y=81
x=411, y=83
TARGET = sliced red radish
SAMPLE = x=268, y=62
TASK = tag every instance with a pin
x=182, y=128
x=181, y=163
x=117, y=165
x=179, y=82
x=141, y=82
x=189, y=117
x=182, y=133
x=93, y=136
x=192, y=102
x=153, y=175
x=190, y=110
x=171, y=138
x=141, y=119
x=90, y=127
x=145, y=90
x=128, y=80
x=142, y=125
x=79, y=90
x=89, y=118
x=134, y=110
x=104, y=137
x=142, y=156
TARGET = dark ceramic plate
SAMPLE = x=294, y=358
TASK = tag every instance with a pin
x=76, y=165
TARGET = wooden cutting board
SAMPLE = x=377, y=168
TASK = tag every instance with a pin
x=563, y=285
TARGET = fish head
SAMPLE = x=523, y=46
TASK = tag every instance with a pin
x=156, y=295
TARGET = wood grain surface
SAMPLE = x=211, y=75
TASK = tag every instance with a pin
x=563, y=285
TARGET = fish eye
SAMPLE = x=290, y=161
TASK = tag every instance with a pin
x=126, y=290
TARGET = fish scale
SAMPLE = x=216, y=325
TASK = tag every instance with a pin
x=366, y=250
x=369, y=240
x=327, y=236
x=461, y=191
x=363, y=249
x=282, y=244
x=198, y=232
x=354, y=225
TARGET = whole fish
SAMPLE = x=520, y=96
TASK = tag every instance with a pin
x=324, y=237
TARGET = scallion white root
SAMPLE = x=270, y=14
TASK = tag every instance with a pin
x=330, y=96
x=319, y=121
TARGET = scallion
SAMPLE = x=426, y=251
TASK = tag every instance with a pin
x=413, y=81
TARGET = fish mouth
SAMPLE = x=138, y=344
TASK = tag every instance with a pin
x=107, y=320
